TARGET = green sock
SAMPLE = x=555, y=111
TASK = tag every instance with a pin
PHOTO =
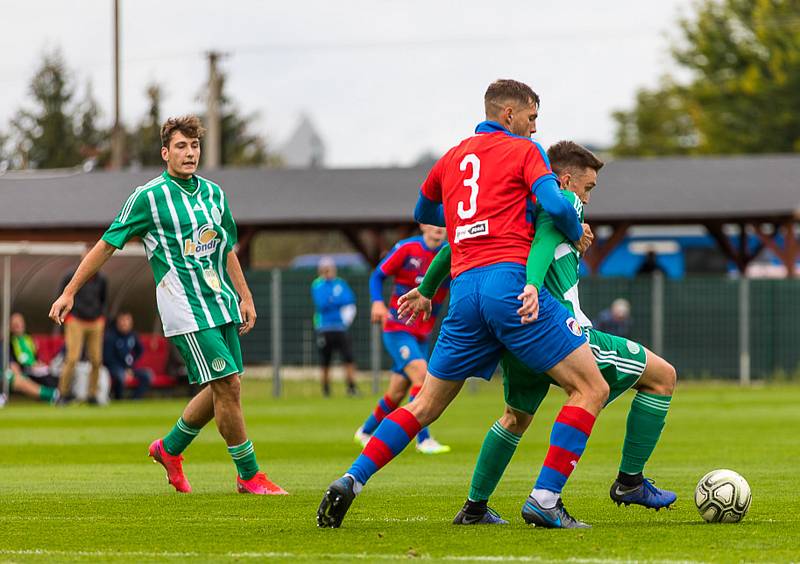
x=46, y=394
x=244, y=456
x=645, y=422
x=179, y=437
x=496, y=452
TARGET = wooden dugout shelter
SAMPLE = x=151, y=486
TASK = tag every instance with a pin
x=758, y=195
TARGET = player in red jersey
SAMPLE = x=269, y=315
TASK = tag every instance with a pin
x=408, y=345
x=488, y=186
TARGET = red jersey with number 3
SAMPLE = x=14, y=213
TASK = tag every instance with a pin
x=485, y=184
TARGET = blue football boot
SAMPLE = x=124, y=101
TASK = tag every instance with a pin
x=555, y=517
x=645, y=494
x=488, y=517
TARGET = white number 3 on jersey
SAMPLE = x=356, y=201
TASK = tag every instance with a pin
x=471, y=183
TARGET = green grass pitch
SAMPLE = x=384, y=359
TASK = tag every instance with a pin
x=76, y=485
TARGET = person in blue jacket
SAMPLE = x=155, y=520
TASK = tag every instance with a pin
x=335, y=309
x=121, y=349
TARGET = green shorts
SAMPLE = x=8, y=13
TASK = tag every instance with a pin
x=211, y=354
x=621, y=362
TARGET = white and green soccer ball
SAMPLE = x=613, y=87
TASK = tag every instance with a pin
x=722, y=496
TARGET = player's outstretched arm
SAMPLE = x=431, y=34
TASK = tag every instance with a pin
x=246, y=304
x=543, y=248
x=91, y=263
x=565, y=216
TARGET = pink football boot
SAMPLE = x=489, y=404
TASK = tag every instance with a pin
x=172, y=464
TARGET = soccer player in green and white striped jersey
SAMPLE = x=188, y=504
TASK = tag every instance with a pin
x=203, y=299
x=554, y=264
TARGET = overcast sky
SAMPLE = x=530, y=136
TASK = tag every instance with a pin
x=382, y=80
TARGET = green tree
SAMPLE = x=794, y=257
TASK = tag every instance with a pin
x=659, y=124
x=45, y=134
x=92, y=139
x=743, y=57
x=145, y=143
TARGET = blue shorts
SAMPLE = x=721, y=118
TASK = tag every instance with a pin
x=403, y=348
x=482, y=322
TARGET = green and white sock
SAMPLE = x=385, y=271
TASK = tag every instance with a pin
x=179, y=437
x=244, y=456
x=645, y=421
x=47, y=394
x=496, y=452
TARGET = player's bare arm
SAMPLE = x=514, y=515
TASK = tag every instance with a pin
x=379, y=312
x=413, y=303
x=246, y=304
x=91, y=263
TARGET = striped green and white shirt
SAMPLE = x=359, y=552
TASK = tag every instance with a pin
x=188, y=233
x=553, y=248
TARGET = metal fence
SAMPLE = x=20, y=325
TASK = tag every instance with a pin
x=708, y=327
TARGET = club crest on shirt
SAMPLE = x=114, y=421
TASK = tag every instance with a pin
x=634, y=348
x=574, y=326
x=204, y=244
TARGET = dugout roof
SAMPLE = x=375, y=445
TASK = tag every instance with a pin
x=712, y=191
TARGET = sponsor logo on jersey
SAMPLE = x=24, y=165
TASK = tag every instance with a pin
x=471, y=230
x=204, y=244
x=218, y=364
x=574, y=326
x=634, y=348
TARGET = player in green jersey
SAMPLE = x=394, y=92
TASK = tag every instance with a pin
x=203, y=299
x=554, y=264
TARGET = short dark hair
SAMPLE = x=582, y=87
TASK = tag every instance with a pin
x=568, y=154
x=189, y=125
x=505, y=90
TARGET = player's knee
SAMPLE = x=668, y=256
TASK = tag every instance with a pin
x=515, y=421
x=415, y=370
x=665, y=381
x=228, y=388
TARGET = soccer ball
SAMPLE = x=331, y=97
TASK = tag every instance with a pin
x=722, y=496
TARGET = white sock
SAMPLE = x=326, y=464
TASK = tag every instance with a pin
x=545, y=498
x=357, y=486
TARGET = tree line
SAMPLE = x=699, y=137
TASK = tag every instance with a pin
x=61, y=127
x=743, y=92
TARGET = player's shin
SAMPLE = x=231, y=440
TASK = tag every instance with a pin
x=389, y=439
x=423, y=434
x=567, y=442
x=496, y=451
x=646, y=420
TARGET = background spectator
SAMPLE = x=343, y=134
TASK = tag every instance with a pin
x=121, y=350
x=24, y=357
x=650, y=265
x=84, y=326
x=335, y=305
x=616, y=319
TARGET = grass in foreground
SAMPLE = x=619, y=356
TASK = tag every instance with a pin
x=75, y=484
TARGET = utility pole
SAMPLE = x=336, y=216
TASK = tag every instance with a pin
x=117, y=133
x=212, y=148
